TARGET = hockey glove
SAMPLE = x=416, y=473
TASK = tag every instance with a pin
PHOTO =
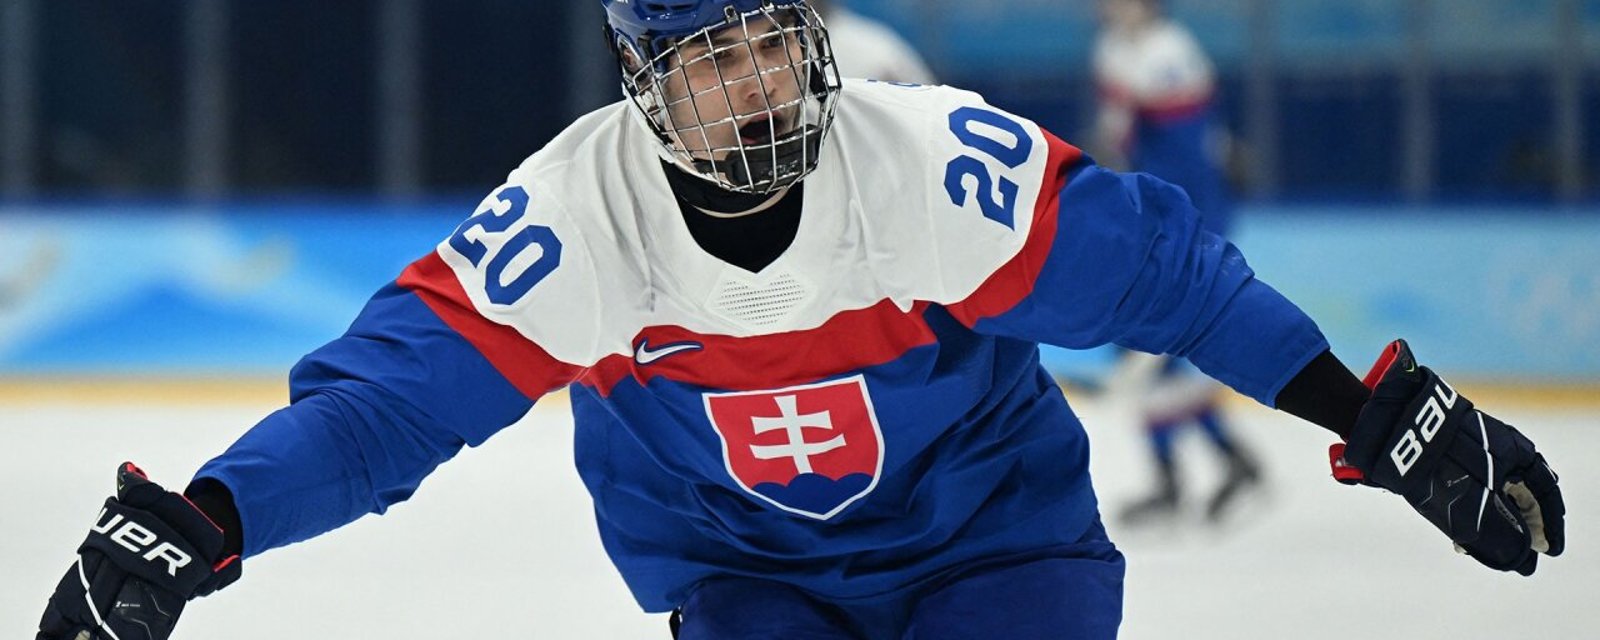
x=1474, y=477
x=148, y=554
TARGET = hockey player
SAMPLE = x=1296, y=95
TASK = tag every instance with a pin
x=1156, y=115
x=798, y=320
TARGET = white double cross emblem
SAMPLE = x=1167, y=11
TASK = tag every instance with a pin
x=793, y=423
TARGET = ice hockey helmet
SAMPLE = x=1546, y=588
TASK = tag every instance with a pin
x=656, y=40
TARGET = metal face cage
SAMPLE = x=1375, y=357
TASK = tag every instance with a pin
x=744, y=103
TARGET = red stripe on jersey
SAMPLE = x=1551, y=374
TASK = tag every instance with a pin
x=1009, y=284
x=532, y=370
x=1178, y=108
x=1161, y=109
x=846, y=342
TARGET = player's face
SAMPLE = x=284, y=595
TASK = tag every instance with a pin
x=742, y=82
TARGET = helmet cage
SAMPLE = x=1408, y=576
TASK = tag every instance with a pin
x=651, y=65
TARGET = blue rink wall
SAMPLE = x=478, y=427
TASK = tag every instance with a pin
x=1499, y=294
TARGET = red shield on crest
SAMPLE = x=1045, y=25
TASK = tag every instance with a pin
x=810, y=449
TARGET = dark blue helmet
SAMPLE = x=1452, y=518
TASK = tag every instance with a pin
x=739, y=92
x=649, y=25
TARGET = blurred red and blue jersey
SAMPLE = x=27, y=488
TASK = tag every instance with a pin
x=862, y=414
x=1157, y=91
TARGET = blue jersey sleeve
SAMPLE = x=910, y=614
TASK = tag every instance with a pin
x=372, y=413
x=1128, y=262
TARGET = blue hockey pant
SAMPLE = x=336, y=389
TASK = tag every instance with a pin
x=1066, y=592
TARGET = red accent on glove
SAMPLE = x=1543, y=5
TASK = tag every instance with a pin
x=219, y=566
x=1342, y=471
x=1385, y=360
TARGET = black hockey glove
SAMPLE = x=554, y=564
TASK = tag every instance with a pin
x=148, y=554
x=1474, y=477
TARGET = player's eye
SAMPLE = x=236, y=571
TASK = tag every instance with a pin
x=691, y=57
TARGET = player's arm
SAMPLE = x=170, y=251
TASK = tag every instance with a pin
x=1128, y=262
x=372, y=413
x=1475, y=478
x=418, y=375
x=1124, y=259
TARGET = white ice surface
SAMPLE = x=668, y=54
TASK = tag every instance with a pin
x=500, y=543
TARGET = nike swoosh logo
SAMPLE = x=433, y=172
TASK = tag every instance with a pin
x=643, y=354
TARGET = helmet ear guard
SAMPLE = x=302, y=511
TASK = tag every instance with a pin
x=650, y=50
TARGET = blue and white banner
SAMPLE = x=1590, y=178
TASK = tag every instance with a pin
x=1496, y=294
x=135, y=290
x=247, y=290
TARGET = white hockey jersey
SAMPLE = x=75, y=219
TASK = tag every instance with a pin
x=876, y=209
x=865, y=412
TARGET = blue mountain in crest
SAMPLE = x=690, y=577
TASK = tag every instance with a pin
x=815, y=493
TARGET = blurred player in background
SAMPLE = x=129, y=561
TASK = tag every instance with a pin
x=866, y=48
x=799, y=321
x=1156, y=116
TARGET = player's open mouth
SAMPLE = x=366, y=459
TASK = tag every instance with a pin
x=761, y=130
